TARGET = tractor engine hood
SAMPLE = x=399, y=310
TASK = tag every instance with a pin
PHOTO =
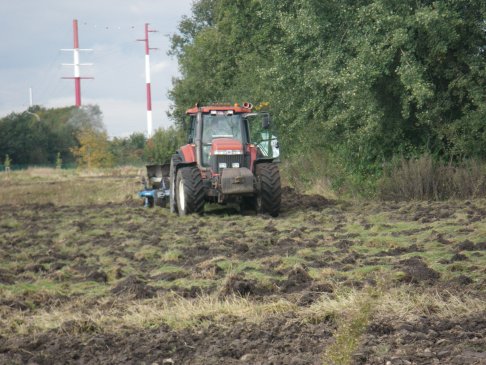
x=226, y=146
x=226, y=153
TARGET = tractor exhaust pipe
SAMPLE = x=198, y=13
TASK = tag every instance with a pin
x=248, y=105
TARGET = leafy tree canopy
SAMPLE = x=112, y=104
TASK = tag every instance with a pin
x=360, y=80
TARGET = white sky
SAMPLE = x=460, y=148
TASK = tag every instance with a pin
x=32, y=32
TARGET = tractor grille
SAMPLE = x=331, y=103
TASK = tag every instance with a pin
x=228, y=159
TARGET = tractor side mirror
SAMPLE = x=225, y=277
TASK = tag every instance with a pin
x=266, y=121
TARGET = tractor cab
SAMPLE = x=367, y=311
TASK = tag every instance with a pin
x=227, y=136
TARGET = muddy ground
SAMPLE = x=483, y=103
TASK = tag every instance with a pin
x=89, y=257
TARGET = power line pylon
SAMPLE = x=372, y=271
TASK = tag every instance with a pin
x=77, y=66
x=147, y=77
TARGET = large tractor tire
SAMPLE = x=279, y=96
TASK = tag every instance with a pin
x=269, y=197
x=176, y=159
x=189, y=191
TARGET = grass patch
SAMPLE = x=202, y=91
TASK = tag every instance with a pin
x=347, y=337
x=173, y=255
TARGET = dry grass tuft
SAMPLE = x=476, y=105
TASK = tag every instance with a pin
x=426, y=179
x=113, y=316
x=407, y=304
x=66, y=187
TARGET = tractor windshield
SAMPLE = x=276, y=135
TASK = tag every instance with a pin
x=219, y=125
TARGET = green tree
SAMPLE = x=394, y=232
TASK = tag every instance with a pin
x=94, y=149
x=129, y=150
x=163, y=144
x=36, y=139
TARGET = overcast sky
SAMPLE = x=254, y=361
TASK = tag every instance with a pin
x=33, y=32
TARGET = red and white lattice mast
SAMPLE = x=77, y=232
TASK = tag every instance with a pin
x=147, y=77
x=77, y=66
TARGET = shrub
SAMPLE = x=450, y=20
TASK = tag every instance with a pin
x=163, y=144
x=424, y=178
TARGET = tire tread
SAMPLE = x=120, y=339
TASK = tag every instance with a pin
x=271, y=191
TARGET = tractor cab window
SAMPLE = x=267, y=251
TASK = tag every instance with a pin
x=191, y=133
x=219, y=125
x=263, y=136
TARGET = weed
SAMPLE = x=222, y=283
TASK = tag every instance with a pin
x=173, y=255
x=148, y=252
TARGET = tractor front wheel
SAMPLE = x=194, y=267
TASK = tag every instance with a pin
x=269, y=197
x=189, y=191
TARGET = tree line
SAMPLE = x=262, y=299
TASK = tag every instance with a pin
x=77, y=137
x=359, y=81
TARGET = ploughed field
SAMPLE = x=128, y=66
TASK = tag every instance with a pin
x=87, y=275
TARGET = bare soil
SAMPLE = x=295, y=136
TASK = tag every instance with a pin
x=426, y=341
x=277, y=340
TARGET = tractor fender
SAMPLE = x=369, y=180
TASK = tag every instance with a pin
x=185, y=164
x=188, y=153
x=263, y=160
x=179, y=162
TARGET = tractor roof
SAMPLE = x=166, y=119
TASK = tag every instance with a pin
x=208, y=108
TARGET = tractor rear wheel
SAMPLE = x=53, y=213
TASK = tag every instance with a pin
x=174, y=161
x=269, y=197
x=189, y=191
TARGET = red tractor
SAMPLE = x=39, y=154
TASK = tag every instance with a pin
x=221, y=164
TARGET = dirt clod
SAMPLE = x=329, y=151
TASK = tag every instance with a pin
x=134, y=286
x=294, y=200
x=416, y=271
x=297, y=279
x=458, y=257
x=238, y=284
x=6, y=277
x=481, y=246
x=465, y=246
x=462, y=280
x=98, y=276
